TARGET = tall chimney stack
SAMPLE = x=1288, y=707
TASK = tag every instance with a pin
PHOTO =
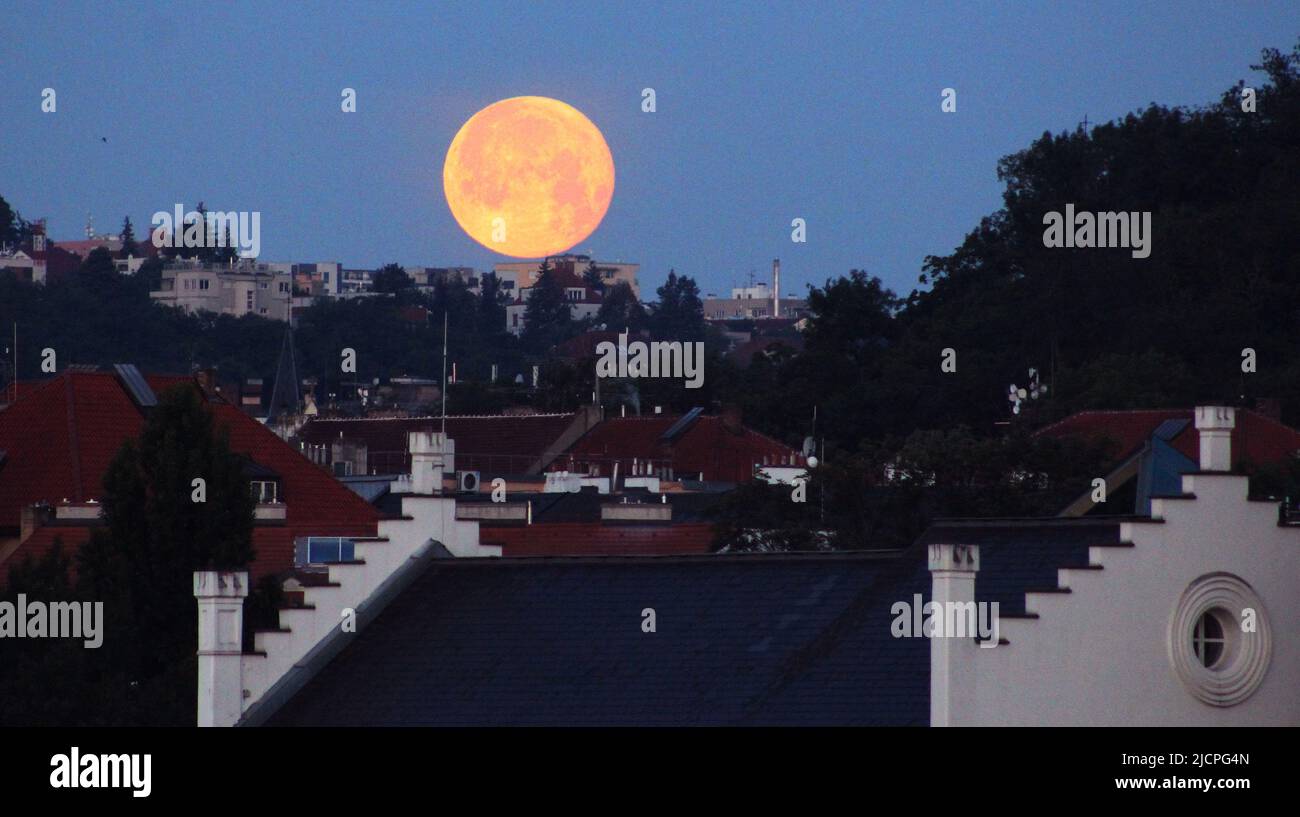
x=1214, y=425
x=221, y=632
x=776, y=287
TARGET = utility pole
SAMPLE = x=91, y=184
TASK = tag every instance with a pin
x=444, y=375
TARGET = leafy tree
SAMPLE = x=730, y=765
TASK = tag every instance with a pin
x=98, y=271
x=592, y=278
x=621, y=310
x=155, y=535
x=548, y=319
x=227, y=252
x=13, y=230
x=679, y=314
x=391, y=278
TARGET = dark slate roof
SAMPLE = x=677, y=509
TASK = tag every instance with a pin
x=783, y=639
x=740, y=640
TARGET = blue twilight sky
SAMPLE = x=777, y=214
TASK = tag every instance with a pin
x=766, y=112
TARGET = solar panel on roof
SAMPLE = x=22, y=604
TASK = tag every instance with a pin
x=136, y=385
x=678, y=428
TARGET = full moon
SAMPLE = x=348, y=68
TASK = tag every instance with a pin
x=528, y=177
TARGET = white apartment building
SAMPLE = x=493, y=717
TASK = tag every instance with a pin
x=516, y=276
x=243, y=288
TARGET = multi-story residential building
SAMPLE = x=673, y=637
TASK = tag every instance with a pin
x=356, y=280
x=584, y=301
x=516, y=276
x=243, y=288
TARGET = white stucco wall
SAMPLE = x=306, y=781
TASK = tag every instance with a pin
x=1100, y=655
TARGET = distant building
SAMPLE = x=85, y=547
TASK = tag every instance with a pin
x=584, y=301
x=243, y=288
x=756, y=302
x=356, y=280
x=314, y=279
x=516, y=276
x=428, y=277
x=38, y=260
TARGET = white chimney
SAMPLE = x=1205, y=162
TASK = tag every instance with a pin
x=952, y=571
x=221, y=634
x=432, y=455
x=776, y=287
x=1215, y=424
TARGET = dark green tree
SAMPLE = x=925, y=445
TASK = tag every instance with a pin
x=592, y=278
x=98, y=272
x=391, y=278
x=679, y=314
x=13, y=230
x=128, y=237
x=156, y=533
x=548, y=319
x=621, y=310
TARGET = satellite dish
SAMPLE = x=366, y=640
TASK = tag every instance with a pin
x=812, y=462
x=808, y=446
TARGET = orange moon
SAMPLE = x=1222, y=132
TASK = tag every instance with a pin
x=528, y=177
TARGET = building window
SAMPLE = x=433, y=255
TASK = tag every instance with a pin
x=323, y=550
x=203, y=284
x=1220, y=640
x=1207, y=639
x=265, y=491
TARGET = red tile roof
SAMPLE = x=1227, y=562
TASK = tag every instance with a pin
x=1256, y=438
x=60, y=436
x=709, y=446
x=498, y=443
x=597, y=539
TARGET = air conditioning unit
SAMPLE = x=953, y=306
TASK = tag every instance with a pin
x=468, y=481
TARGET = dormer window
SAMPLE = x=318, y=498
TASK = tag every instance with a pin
x=265, y=491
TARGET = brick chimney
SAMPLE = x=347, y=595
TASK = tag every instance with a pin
x=1214, y=424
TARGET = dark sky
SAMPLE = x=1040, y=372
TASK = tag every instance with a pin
x=765, y=113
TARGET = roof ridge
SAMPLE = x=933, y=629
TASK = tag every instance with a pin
x=439, y=417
